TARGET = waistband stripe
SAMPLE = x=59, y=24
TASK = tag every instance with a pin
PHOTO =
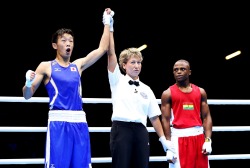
x=67, y=115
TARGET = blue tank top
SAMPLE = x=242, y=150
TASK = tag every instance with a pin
x=64, y=88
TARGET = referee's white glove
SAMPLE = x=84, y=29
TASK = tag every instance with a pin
x=170, y=156
x=207, y=146
x=30, y=76
x=111, y=27
x=167, y=144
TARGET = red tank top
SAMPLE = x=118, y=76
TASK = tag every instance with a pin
x=186, y=107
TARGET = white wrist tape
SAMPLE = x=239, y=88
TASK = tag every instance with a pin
x=106, y=18
x=111, y=27
x=207, y=146
x=29, y=82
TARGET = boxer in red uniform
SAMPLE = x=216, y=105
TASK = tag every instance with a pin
x=186, y=120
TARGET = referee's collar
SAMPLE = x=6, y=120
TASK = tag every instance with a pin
x=129, y=78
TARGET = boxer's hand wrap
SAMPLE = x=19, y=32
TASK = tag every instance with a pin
x=112, y=13
x=106, y=18
x=29, y=81
x=166, y=144
x=207, y=146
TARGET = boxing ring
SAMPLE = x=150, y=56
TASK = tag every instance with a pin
x=107, y=129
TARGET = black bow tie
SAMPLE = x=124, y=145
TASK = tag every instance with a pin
x=133, y=82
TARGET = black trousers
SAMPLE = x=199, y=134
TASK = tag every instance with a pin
x=129, y=145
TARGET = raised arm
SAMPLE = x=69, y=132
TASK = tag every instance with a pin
x=93, y=56
x=112, y=59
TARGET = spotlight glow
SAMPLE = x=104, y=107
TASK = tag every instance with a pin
x=142, y=47
x=233, y=55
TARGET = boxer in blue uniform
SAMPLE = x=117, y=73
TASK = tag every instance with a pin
x=67, y=141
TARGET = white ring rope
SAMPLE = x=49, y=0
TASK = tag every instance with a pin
x=108, y=159
x=107, y=129
x=108, y=100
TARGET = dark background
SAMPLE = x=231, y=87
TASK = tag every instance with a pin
x=203, y=33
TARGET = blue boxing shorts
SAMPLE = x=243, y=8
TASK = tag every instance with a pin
x=67, y=140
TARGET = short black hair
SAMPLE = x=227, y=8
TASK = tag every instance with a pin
x=61, y=32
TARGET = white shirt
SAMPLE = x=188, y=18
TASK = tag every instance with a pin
x=131, y=103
